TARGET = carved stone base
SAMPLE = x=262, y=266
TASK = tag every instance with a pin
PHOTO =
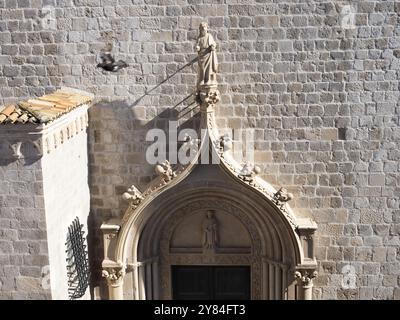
x=208, y=97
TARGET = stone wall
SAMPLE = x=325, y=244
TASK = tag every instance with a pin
x=321, y=95
x=43, y=189
x=24, y=261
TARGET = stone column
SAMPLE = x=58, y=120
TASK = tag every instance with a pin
x=156, y=288
x=305, y=283
x=114, y=276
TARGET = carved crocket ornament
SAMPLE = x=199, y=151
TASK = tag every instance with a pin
x=133, y=195
x=165, y=171
x=282, y=196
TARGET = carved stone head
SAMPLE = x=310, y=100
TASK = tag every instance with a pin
x=203, y=29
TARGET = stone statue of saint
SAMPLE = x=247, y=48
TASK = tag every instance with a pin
x=208, y=63
x=210, y=232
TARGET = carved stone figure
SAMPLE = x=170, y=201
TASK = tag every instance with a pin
x=210, y=232
x=208, y=63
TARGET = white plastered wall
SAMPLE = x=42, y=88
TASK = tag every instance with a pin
x=66, y=190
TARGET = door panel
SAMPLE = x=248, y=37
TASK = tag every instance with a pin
x=210, y=282
x=190, y=283
x=231, y=283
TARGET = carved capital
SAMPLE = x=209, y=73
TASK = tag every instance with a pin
x=114, y=275
x=305, y=277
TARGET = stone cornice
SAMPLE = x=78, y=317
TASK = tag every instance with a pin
x=42, y=139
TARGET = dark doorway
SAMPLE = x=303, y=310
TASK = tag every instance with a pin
x=210, y=283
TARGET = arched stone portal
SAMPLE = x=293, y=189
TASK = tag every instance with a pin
x=169, y=231
x=241, y=241
x=162, y=226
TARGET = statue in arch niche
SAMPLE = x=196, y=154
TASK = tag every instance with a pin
x=207, y=60
x=210, y=232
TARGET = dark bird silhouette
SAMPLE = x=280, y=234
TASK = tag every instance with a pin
x=108, y=62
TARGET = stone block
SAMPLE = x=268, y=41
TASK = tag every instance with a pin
x=371, y=216
x=6, y=247
x=27, y=284
x=377, y=179
x=396, y=294
x=382, y=293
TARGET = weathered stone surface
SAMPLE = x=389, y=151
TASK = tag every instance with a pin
x=18, y=231
x=323, y=100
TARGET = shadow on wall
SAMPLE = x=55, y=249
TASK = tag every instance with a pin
x=117, y=147
x=190, y=63
x=26, y=152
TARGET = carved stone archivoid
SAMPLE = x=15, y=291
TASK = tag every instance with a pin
x=220, y=214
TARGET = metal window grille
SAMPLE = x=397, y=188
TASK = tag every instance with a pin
x=77, y=261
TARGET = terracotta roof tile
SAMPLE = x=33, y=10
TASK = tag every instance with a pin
x=43, y=109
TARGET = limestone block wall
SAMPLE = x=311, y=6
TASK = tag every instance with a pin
x=24, y=259
x=43, y=188
x=320, y=91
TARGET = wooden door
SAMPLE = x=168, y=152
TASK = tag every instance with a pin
x=211, y=282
